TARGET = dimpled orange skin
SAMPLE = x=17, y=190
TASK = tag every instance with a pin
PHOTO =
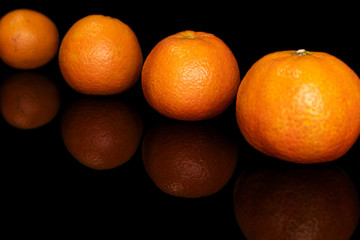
x=301, y=107
x=190, y=76
x=100, y=55
x=28, y=39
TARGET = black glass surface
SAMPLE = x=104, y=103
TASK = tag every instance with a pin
x=45, y=187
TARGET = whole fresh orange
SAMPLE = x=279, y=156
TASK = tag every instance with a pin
x=300, y=106
x=190, y=76
x=189, y=160
x=101, y=133
x=302, y=202
x=100, y=55
x=28, y=39
x=29, y=100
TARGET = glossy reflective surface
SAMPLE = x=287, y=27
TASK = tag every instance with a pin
x=45, y=186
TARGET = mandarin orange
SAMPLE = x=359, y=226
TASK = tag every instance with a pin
x=190, y=76
x=100, y=55
x=28, y=39
x=300, y=106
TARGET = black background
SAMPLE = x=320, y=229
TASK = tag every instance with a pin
x=44, y=187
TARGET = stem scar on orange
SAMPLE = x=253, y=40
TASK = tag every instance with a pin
x=190, y=76
x=300, y=106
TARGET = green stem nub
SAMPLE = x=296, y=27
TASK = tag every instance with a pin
x=301, y=52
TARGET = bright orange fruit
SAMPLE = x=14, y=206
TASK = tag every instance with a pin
x=300, y=106
x=28, y=39
x=29, y=100
x=189, y=160
x=190, y=76
x=101, y=133
x=100, y=55
x=302, y=202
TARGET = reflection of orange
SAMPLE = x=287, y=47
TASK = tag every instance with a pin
x=28, y=39
x=101, y=133
x=29, y=100
x=300, y=106
x=100, y=55
x=188, y=160
x=190, y=76
x=301, y=202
